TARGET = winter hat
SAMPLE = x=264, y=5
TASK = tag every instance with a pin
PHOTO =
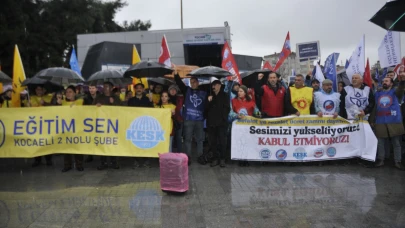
x=327, y=81
x=174, y=87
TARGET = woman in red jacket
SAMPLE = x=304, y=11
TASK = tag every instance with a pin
x=243, y=105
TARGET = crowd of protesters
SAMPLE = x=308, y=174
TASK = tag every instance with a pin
x=198, y=114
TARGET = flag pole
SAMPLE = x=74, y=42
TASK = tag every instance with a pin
x=181, y=13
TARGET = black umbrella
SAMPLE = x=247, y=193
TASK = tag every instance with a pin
x=113, y=76
x=32, y=83
x=60, y=75
x=4, y=78
x=161, y=81
x=147, y=69
x=391, y=16
x=210, y=71
x=249, y=78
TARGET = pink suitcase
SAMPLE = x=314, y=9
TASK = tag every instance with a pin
x=173, y=172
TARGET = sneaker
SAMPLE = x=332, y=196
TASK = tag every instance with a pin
x=147, y=164
x=64, y=170
x=135, y=165
x=89, y=159
x=214, y=163
x=222, y=164
x=379, y=163
x=103, y=166
x=399, y=166
x=36, y=163
x=115, y=165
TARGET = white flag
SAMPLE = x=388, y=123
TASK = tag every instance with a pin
x=389, y=51
x=318, y=74
x=357, y=63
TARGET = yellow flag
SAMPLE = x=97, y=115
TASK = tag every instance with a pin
x=136, y=59
x=18, y=78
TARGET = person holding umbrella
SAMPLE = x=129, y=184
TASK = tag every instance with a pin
x=71, y=101
x=109, y=99
x=217, y=111
x=193, y=114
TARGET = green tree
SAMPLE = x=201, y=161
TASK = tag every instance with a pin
x=45, y=30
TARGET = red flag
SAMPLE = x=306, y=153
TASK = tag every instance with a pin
x=285, y=52
x=164, y=57
x=397, y=68
x=367, y=75
x=229, y=63
x=267, y=66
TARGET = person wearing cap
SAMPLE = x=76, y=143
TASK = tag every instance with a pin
x=193, y=114
x=177, y=99
x=273, y=97
x=356, y=99
x=301, y=97
x=326, y=101
x=217, y=111
x=142, y=101
x=315, y=84
x=6, y=96
x=109, y=99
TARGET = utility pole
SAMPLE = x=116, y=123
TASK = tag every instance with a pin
x=181, y=13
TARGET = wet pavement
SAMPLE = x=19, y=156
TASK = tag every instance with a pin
x=270, y=195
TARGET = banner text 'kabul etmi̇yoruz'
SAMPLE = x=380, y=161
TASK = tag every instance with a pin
x=112, y=131
x=297, y=139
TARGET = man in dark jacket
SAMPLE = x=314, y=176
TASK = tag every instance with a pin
x=140, y=100
x=89, y=100
x=273, y=97
x=217, y=110
x=108, y=98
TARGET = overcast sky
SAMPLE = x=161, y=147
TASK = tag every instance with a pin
x=259, y=27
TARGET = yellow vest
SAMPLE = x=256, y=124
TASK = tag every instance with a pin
x=301, y=99
x=36, y=101
x=76, y=102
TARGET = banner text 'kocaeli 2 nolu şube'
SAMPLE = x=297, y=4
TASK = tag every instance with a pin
x=112, y=131
x=296, y=139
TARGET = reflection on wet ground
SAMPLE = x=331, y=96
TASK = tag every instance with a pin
x=270, y=195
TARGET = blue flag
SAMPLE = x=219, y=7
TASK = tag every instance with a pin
x=347, y=64
x=382, y=76
x=74, y=64
x=330, y=70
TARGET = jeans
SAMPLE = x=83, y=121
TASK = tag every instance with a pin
x=171, y=144
x=178, y=135
x=217, y=135
x=396, y=143
x=196, y=128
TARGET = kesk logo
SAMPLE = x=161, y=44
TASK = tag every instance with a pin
x=195, y=100
x=265, y=154
x=2, y=133
x=145, y=132
x=281, y=154
x=300, y=153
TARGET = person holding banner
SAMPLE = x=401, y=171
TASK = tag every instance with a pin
x=301, y=97
x=142, y=101
x=327, y=101
x=242, y=106
x=273, y=97
x=356, y=99
x=387, y=118
x=71, y=101
x=166, y=103
x=177, y=99
x=193, y=114
x=89, y=100
x=107, y=98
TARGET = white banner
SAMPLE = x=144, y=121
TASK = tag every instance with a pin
x=389, y=51
x=305, y=138
x=210, y=38
x=357, y=63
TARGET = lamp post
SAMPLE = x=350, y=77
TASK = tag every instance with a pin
x=181, y=13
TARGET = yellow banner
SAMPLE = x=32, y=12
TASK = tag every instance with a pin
x=113, y=131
